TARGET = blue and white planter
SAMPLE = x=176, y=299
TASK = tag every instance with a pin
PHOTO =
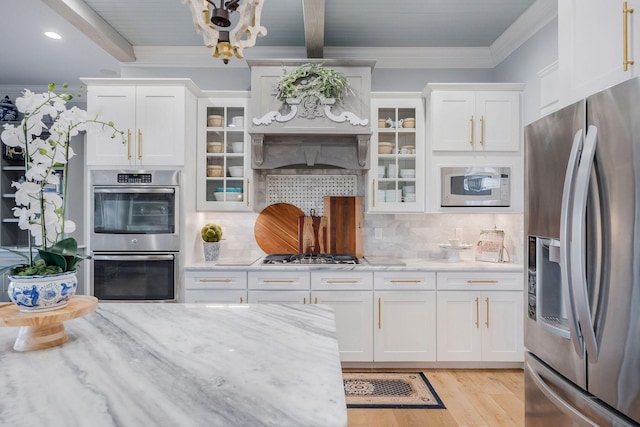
x=42, y=293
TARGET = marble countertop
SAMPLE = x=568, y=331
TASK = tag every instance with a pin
x=372, y=264
x=137, y=364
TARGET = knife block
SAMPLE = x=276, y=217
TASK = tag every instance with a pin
x=344, y=224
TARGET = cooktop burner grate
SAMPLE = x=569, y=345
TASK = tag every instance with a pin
x=283, y=259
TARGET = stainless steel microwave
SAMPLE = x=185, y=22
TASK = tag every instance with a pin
x=476, y=186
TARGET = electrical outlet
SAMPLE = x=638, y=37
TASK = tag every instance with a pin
x=378, y=233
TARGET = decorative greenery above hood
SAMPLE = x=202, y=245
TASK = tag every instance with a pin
x=314, y=111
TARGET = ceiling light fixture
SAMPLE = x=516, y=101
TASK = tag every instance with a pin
x=53, y=35
x=213, y=25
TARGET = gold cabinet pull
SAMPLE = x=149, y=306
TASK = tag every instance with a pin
x=304, y=300
x=405, y=281
x=241, y=300
x=379, y=314
x=316, y=300
x=278, y=281
x=482, y=281
x=481, y=130
x=128, y=144
x=373, y=193
x=471, y=139
x=477, y=313
x=247, y=193
x=487, y=322
x=139, y=144
x=215, y=280
x=625, y=36
x=341, y=281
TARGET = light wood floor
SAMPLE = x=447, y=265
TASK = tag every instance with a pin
x=473, y=398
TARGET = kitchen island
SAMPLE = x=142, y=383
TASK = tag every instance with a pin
x=134, y=364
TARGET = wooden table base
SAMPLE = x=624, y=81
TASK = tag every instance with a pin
x=40, y=337
x=40, y=330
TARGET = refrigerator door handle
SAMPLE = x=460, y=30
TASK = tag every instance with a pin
x=565, y=233
x=560, y=403
x=578, y=244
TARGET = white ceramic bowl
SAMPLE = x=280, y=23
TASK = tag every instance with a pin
x=231, y=196
x=236, y=171
x=407, y=173
x=237, y=147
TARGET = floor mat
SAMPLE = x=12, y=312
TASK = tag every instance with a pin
x=390, y=390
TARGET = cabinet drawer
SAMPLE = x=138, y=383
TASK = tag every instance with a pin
x=215, y=296
x=476, y=280
x=395, y=280
x=215, y=280
x=347, y=280
x=279, y=280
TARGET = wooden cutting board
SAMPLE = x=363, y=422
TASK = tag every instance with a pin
x=276, y=228
x=345, y=221
x=312, y=234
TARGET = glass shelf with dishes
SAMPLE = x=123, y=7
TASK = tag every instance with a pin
x=223, y=166
x=397, y=153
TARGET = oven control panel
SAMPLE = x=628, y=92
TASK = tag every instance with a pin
x=134, y=178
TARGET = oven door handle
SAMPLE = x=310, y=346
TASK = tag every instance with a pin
x=134, y=190
x=133, y=257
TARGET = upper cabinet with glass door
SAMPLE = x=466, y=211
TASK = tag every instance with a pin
x=396, y=177
x=223, y=167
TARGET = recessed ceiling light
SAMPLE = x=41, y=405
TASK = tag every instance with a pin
x=53, y=35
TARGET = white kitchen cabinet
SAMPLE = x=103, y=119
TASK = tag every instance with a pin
x=478, y=121
x=155, y=118
x=592, y=43
x=279, y=280
x=405, y=317
x=279, y=297
x=480, y=317
x=223, y=156
x=223, y=287
x=353, y=311
x=350, y=295
x=396, y=176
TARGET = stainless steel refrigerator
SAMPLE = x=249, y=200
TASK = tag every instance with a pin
x=582, y=216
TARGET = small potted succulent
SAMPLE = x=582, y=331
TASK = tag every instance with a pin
x=211, y=236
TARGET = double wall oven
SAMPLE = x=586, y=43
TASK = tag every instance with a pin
x=135, y=234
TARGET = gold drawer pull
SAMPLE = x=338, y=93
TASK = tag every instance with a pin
x=342, y=281
x=215, y=280
x=279, y=281
x=471, y=139
x=625, y=34
x=487, y=322
x=241, y=300
x=405, y=281
x=128, y=144
x=477, y=313
x=482, y=281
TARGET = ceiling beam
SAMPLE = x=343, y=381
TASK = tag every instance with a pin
x=313, y=12
x=85, y=19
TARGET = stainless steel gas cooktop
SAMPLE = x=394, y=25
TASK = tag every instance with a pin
x=294, y=259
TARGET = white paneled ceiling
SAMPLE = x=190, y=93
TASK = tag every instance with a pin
x=156, y=27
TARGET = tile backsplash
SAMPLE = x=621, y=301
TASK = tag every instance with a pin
x=397, y=235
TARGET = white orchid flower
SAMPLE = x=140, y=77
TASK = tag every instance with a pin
x=40, y=212
x=12, y=136
x=26, y=192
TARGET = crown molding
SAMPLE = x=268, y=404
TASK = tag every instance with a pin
x=529, y=23
x=200, y=56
